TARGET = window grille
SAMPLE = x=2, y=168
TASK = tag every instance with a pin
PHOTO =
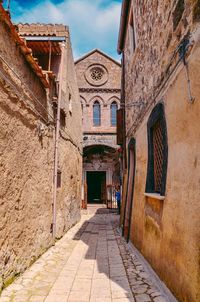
x=158, y=149
x=96, y=114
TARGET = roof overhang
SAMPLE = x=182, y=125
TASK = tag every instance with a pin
x=123, y=25
x=23, y=47
x=44, y=38
x=44, y=47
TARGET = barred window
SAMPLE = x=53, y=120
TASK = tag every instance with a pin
x=158, y=148
x=157, y=151
x=96, y=114
x=113, y=114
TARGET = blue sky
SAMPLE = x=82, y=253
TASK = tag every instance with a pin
x=93, y=23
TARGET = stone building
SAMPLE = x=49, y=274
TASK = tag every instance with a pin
x=99, y=80
x=160, y=46
x=40, y=192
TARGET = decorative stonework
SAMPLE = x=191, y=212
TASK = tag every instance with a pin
x=96, y=75
x=99, y=90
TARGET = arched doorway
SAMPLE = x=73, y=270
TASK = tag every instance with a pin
x=100, y=169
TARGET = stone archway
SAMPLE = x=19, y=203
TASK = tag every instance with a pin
x=100, y=169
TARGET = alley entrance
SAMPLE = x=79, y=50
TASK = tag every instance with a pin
x=96, y=186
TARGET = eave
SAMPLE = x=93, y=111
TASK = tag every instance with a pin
x=123, y=25
x=27, y=52
x=101, y=53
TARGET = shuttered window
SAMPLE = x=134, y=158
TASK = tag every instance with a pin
x=120, y=126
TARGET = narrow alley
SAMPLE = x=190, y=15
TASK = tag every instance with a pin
x=90, y=263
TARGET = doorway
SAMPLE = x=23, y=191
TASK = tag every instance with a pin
x=96, y=186
x=130, y=190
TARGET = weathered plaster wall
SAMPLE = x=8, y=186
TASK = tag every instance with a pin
x=26, y=163
x=167, y=232
x=172, y=246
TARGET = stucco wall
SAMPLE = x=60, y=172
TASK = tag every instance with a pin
x=172, y=246
x=166, y=232
x=27, y=161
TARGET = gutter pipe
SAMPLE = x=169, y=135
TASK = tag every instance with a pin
x=57, y=131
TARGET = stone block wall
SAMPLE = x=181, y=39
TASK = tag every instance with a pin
x=27, y=160
x=104, y=93
x=159, y=28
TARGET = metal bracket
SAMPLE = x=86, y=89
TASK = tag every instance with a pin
x=182, y=54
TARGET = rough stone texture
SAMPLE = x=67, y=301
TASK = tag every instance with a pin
x=171, y=246
x=105, y=91
x=27, y=160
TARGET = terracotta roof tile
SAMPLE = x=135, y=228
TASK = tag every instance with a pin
x=40, y=29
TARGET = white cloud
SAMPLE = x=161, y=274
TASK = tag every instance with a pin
x=93, y=23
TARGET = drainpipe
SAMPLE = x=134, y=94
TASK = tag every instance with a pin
x=57, y=131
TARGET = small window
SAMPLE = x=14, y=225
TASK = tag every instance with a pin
x=82, y=110
x=157, y=151
x=132, y=39
x=59, y=178
x=62, y=119
x=113, y=114
x=96, y=114
x=70, y=104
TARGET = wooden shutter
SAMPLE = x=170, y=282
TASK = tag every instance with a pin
x=120, y=126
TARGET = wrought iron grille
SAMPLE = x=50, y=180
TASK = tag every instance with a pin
x=158, y=149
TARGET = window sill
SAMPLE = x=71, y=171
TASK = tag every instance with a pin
x=154, y=195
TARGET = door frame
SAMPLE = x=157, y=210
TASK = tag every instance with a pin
x=131, y=148
x=94, y=171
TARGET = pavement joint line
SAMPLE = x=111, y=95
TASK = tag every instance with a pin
x=100, y=256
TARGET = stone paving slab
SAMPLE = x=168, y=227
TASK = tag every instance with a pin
x=91, y=263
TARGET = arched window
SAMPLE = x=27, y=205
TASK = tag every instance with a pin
x=96, y=114
x=157, y=151
x=113, y=114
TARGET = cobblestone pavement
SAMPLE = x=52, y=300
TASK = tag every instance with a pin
x=91, y=263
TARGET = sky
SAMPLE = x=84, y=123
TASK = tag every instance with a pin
x=92, y=23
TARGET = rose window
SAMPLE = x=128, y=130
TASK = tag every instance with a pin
x=97, y=74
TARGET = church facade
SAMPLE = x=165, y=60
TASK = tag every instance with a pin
x=99, y=81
